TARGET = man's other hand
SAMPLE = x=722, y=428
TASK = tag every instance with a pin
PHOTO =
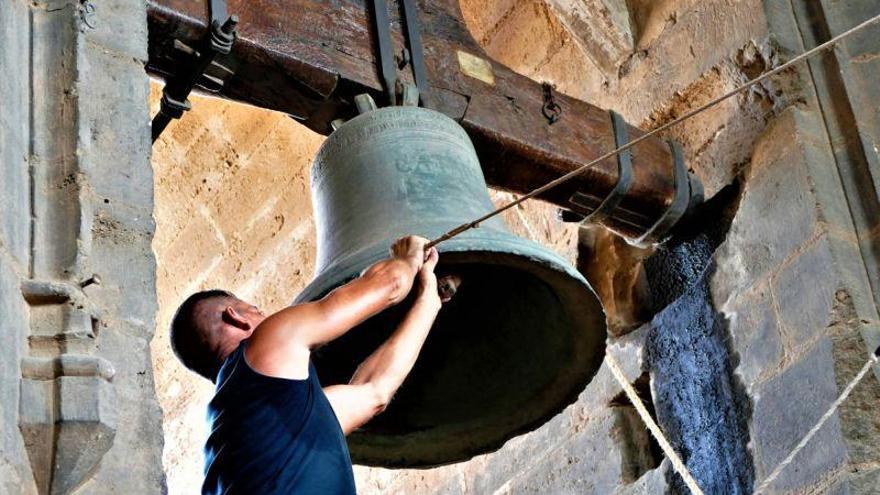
x=428, y=280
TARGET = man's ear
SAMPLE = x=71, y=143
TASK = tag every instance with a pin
x=232, y=317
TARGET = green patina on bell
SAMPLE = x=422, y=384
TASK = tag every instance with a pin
x=520, y=340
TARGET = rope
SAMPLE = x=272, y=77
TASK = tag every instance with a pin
x=524, y=220
x=815, y=429
x=658, y=435
x=570, y=175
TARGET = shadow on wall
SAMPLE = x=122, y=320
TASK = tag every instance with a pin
x=700, y=404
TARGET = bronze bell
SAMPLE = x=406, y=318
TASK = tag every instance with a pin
x=520, y=340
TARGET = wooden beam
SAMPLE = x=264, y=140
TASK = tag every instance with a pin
x=309, y=58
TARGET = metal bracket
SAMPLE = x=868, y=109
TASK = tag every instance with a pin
x=218, y=41
x=414, y=42
x=413, y=55
x=679, y=203
x=624, y=174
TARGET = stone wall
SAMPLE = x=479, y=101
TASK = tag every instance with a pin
x=76, y=269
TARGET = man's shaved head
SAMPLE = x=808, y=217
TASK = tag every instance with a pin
x=195, y=330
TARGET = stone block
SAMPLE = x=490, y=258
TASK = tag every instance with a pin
x=526, y=37
x=114, y=129
x=116, y=25
x=789, y=191
x=14, y=468
x=804, y=291
x=484, y=16
x=654, y=482
x=864, y=482
x=809, y=289
x=68, y=424
x=841, y=16
x=571, y=72
x=586, y=462
x=602, y=27
x=755, y=335
x=14, y=61
x=785, y=408
x=14, y=201
x=776, y=215
x=127, y=266
x=14, y=119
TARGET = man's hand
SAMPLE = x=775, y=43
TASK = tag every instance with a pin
x=427, y=291
x=281, y=345
x=410, y=249
x=380, y=375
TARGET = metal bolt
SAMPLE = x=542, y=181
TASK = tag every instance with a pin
x=93, y=280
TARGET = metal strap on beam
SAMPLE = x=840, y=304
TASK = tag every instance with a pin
x=383, y=41
x=624, y=174
x=414, y=41
x=679, y=203
x=413, y=55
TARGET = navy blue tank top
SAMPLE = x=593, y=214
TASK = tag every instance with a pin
x=273, y=436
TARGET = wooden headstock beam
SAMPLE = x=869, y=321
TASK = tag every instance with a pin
x=309, y=58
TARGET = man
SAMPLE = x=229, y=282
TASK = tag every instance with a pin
x=274, y=430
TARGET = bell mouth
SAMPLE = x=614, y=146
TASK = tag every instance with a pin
x=519, y=341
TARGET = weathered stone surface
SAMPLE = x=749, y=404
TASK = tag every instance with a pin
x=527, y=44
x=864, y=482
x=777, y=212
x=115, y=158
x=654, y=482
x=15, y=473
x=68, y=424
x=755, y=335
x=587, y=462
x=117, y=26
x=804, y=292
x=602, y=27
x=14, y=222
x=785, y=408
x=116, y=118
x=859, y=415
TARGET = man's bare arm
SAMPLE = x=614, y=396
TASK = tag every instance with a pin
x=280, y=346
x=381, y=374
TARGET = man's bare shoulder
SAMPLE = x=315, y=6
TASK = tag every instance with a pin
x=277, y=348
